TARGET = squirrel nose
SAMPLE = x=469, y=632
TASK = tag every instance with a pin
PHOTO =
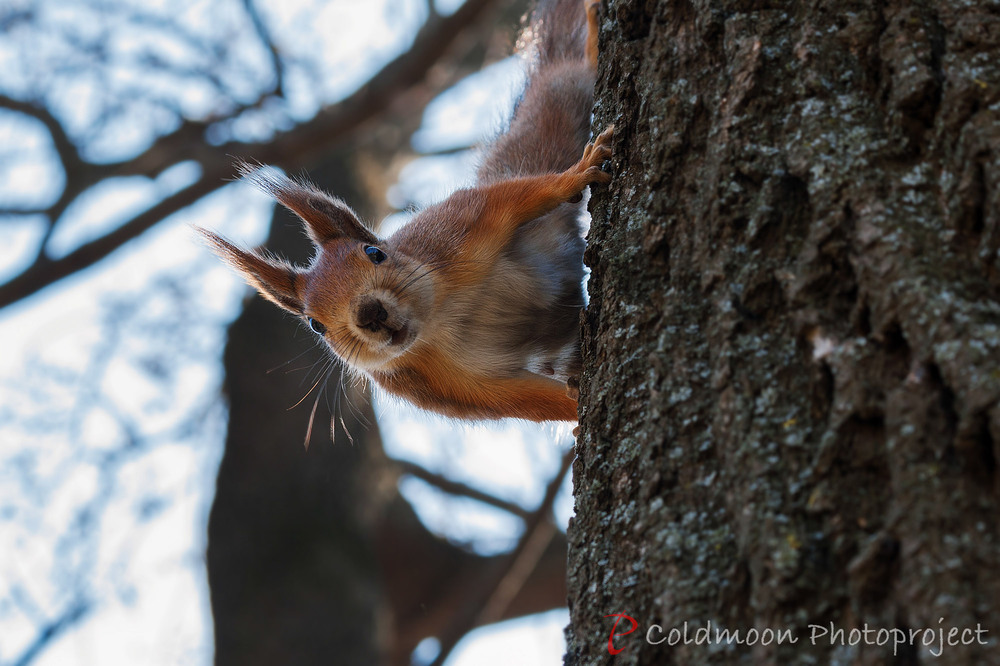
x=371, y=313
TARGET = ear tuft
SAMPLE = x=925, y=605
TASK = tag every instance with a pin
x=277, y=280
x=326, y=217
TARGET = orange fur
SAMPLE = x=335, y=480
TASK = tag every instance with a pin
x=470, y=310
x=430, y=380
x=593, y=8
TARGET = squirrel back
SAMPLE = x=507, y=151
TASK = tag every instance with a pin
x=472, y=308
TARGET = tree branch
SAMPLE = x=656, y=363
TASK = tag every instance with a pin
x=456, y=488
x=272, y=49
x=23, y=212
x=488, y=606
x=295, y=149
x=51, y=630
x=64, y=146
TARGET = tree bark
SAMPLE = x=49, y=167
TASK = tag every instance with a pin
x=791, y=398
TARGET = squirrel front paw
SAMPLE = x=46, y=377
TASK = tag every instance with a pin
x=588, y=169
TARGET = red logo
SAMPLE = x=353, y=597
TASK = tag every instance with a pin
x=614, y=629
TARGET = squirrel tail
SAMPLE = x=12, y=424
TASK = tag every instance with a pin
x=551, y=122
x=560, y=28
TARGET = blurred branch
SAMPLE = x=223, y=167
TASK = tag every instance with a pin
x=488, y=605
x=265, y=37
x=177, y=325
x=13, y=17
x=163, y=24
x=44, y=272
x=79, y=174
x=30, y=210
x=455, y=488
x=64, y=145
x=292, y=150
x=51, y=630
x=447, y=152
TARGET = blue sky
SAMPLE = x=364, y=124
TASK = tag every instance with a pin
x=83, y=371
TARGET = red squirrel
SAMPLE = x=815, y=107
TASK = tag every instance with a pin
x=472, y=308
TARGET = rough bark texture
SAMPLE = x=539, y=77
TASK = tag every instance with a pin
x=790, y=407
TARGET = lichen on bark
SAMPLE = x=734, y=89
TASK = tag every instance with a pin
x=791, y=397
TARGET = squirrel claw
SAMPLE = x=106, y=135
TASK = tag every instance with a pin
x=588, y=169
x=597, y=175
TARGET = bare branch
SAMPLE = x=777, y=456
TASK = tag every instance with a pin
x=23, y=212
x=488, y=607
x=51, y=630
x=73, y=166
x=295, y=149
x=63, y=144
x=44, y=272
x=265, y=37
x=455, y=488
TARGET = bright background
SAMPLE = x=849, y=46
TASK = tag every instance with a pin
x=111, y=418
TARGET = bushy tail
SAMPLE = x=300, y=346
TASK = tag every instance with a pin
x=551, y=123
x=560, y=28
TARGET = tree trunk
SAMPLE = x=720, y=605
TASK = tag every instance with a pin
x=291, y=562
x=791, y=403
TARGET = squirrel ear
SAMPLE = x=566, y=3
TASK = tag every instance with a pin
x=326, y=217
x=275, y=279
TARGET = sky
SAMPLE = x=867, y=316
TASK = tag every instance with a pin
x=82, y=373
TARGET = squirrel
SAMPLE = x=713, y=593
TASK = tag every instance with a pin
x=472, y=308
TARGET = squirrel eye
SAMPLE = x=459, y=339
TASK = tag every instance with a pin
x=376, y=255
x=317, y=326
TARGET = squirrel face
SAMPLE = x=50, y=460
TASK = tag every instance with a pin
x=371, y=303
x=472, y=308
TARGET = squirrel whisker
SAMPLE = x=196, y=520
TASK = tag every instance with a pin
x=455, y=311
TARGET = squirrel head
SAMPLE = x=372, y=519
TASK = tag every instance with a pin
x=369, y=301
